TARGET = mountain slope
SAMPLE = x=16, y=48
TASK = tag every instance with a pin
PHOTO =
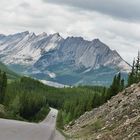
x=10, y=73
x=25, y=48
x=117, y=119
x=78, y=52
x=69, y=61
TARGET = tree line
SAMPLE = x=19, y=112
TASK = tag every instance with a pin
x=3, y=85
x=30, y=100
x=134, y=75
x=87, y=99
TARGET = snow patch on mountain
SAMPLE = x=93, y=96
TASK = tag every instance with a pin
x=51, y=74
x=53, y=84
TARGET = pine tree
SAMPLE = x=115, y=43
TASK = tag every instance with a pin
x=122, y=85
x=118, y=83
x=89, y=104
x=134, y=75
x=131, y=74
x=3, y=84
x=137, y=69
x=113, y=87
x=0, y=87
x=116, y=87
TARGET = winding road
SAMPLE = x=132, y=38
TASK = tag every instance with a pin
x=17, y=130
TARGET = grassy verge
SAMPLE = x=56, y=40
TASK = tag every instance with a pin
x=10, y=114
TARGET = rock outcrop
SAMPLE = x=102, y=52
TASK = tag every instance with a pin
x=118, y=119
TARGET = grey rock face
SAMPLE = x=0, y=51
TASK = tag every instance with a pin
x=26, y=48
x=81, y=53
x=73, y=56
x=73, y=50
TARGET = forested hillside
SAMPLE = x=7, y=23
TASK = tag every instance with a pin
x=29, y=99
x=82, y=99
x=26, y=97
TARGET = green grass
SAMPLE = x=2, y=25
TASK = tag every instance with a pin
x=97, y=125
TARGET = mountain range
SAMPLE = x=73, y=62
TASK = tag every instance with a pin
x=68, y=61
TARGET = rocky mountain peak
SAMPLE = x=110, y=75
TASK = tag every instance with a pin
x=75, y=39
x=56, y=35
x=25, y=32
x=97, y=40
x=21, y=34
x=32, y=35
x=43, y=34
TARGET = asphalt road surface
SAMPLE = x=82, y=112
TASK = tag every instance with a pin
x=17, y=130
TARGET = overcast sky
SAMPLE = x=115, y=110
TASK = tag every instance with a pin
x=115, y=22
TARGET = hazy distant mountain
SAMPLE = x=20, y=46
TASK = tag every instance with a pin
x=68, y=61
x=10, y=74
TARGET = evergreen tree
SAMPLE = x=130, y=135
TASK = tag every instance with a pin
x=116, y=87
x=134, y=75
x=122, y=85
x=131, y=75
x=3, y=84
x=137, y=70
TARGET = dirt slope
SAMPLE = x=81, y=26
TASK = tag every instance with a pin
x=118, y=119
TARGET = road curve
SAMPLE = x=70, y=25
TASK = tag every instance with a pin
x=17, y=130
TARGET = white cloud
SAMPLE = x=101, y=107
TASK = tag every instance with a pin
x=37, y=16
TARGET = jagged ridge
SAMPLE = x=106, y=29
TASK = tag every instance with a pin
x=51, y=57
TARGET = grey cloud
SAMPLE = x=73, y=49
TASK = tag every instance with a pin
x=25, y=5
x=125, y=9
